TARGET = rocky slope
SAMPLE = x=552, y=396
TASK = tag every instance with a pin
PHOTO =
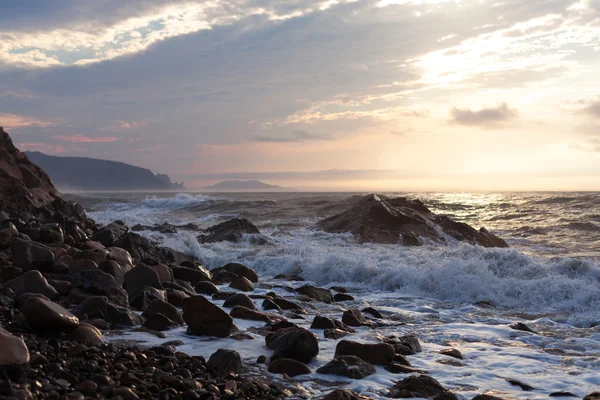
x=379, y=219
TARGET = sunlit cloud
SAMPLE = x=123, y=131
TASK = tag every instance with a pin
x=296, y=137
x=86, y=139
x=11, y=121
x=491, y=117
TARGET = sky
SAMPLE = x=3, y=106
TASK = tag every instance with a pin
x=394, y=95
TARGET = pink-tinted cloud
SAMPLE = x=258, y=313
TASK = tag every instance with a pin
x=86, y=139
x=10, y=121
x=43, y=147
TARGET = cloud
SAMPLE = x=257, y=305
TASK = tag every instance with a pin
x=492, y=117
x=11, y=121
x=295, y=137
x=42, y=147
x=592, y=110
x=86, y=139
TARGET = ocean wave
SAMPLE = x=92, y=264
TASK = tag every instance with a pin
x=180, y=200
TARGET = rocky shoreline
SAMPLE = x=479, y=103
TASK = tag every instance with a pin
x=66, y=284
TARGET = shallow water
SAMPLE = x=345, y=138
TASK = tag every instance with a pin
x=549, y=279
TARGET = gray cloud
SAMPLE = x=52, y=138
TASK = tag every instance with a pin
x=486, y=117
x=592, y=110
x=295, y=137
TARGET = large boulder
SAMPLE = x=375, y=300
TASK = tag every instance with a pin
x=14, y=350
x=405, y=345
x=96, y=282
x=224, y=361
x=193, y=276
x=140, y=277
x=239, y=299
x=422, y=386
x=98, y=307
x=31, y=282
x=239, y=270
x=204, y=318
x=289, y=367
x=315, y=293
x=110, y=233
x=379, y=219
x=296, y=343
x=46, y=316
x=373, y=353
x=242, y=283
x=86, y=334
x=141, y=248
x=31, y=255
x=164, y=308
x=229, y=231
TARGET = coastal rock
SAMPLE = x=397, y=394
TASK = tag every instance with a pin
x=206, y=319
x=373, y=353
x=452, y=353
x=140, y=277
x=206, y=287
x=229, y=231
x=159, y=323
x=114, y=269
x=379, y=219
x=110, y=233
x=141, y=248
x=417, y=386
x=96, y=282
x=121, y=256
x=354, y=317
x=193, y=276
x=592, y=396
x=334, y=333
x=239, y=270
x=165, y=274
x=44, y=315
x=79, y=265
x=315, y=293
x=14, y=349
x=372, y=312
x=86, y=334
x=98, y=307
x=348, y=366
x=176, y=297
x=142, y=300
x=342, y=297
x=320, y=322
x=296, y=343
x=254, y=315
x=224, y=361
x=31, y=282
x=31, y=255
x=164, y=308
x=344, y=394
x=241, y=283
x=287, y=305
x=239, y=299
x=405, y=345
x=289, y=367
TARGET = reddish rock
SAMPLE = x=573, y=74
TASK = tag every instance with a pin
x=86, y=334
x=44, y=315
x=242, y=283
x=31, y=282
x=296, y=343
x=373, y=353
x=14, y=350
x=206, y=319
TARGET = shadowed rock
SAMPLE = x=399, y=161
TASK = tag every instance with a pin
x=349, y=366
x=373, y=353
x=296, y=343
x=289, y=367
x=204, y=318
x=417, y=386
x=379, y=219
x=231, y=231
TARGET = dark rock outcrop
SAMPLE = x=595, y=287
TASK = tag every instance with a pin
x=224, y=361
x=349, y=366
x=205, y=319
x=417, y=386
x=289, y=367
x=230, y=231
x=379, y=219
x=296, y=343
x=373, y=353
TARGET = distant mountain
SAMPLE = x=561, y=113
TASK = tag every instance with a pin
x=243, y=186
x=81, y=173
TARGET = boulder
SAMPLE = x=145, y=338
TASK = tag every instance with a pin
x=239, y=299
x=86, y=334
x=166, y=309
x=159, y=323
x=96, y=282
x=422, y=386
x=31, y=282
x=224, y=361
x=51, y=233
x=334, y=334
x=452, y=353
x=119, y=255
x=165, y=274
x=206, y=287
x=115, y=269
x=31, y=255
x=342, y=297
x=296, y=343
x=373, y=353
x=230, y=231
x=96, y=256
x=44, y=315
x=14, y=349
x=141, y=248
x=372, y=312
x=204, y=318
x=287, y=305
x=379, y=219
x=143, y=299
x=6, y=236
x=349, y=366
x=241, y=283
x=239, y=270
x=405, y=345
x=320, y=322
x=98, y=307
x=193, y=276
x=79, y=265
x=110, y=233
x=22, y=299
x=315, y=293
x=176, y=297
x=140, y=277
x=288, y=366
x=254, y=315
x=344, y=394
x=353, y=317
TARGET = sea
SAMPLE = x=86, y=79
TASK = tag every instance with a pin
x=449, y=296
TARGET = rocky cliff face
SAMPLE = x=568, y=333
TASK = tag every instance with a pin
x=378, y=219
x=27, y=192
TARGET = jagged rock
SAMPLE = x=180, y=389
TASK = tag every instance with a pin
x=348, y=366
x=373, y=353
x=44, y=315
x=239, y=299
x=206, y=287
x=159, y=323
x=417, y=386
x=320, y=322
x=315, y=293
x=110, y=233
x=296, y=343
x=86, y=334
x=114, y=269
x=239, y=270
x=31, y=282
x=206, y=319
x=14, y=349
x=96, y=282
x=143, y=299
x=379, y=219
x=242, y=283
x=224, y=361
x=230, y=231
x=353, y=317
x=31, y=255
x=98, y=307
x=405, y=345
x=289, y=367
